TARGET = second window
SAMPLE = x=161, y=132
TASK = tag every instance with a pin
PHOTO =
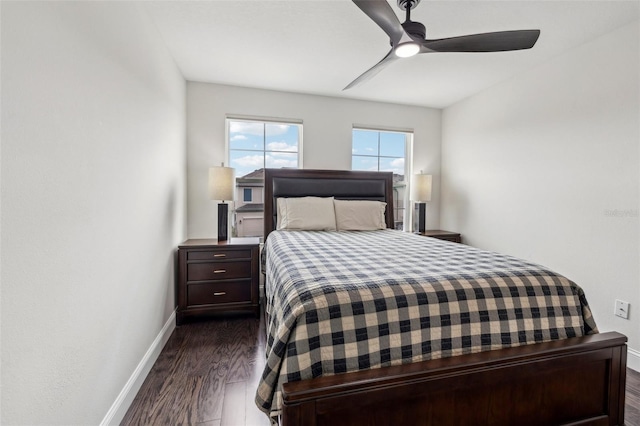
x=385, y=151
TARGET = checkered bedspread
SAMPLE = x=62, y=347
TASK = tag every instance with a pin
x=346, y=301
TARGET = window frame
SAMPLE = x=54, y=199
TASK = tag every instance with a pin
x=246, y=191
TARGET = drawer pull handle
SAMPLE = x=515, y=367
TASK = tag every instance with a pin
x=219, y=271
x=220, y=255
x=221, y=293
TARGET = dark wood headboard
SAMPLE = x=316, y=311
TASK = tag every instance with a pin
x=341, y=184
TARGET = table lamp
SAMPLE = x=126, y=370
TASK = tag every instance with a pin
x=221, y=187
x=420, y=193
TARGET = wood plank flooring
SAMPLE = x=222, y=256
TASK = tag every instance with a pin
x=206, y=375
x=632, y=403
x=208, y=372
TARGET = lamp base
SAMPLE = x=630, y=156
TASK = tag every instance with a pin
x=419, y=217
x=223, y=227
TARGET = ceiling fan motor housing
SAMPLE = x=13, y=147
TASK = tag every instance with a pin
x=415, y=29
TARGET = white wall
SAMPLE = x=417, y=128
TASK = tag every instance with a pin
x=93, y=204
x=327, y=125
x=538, y=166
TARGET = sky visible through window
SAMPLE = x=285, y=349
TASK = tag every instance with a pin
x=255, y=145
x=378, y=151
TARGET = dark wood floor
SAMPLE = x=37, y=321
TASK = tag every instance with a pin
x=206, y=375
x=632, y=406
x=208, y=372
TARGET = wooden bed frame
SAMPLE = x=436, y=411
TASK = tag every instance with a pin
x=576, y=381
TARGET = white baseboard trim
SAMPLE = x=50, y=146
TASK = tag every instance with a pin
x=120, y=406
x=633, y=359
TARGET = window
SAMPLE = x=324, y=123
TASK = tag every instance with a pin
x=385, y=151
x=247, y=195
x=253, y=146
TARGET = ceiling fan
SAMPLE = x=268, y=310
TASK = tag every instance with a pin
x=408, y=38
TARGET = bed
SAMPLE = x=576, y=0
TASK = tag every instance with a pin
x=440, y=333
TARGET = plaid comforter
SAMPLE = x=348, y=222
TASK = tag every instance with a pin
x=346, y=301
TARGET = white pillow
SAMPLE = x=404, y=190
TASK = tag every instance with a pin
x=359, y=215
x=306, y=214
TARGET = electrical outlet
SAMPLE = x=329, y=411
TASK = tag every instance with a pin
x=622, y=309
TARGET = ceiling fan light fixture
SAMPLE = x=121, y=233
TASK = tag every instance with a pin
x=408, y=38
x=407, y=49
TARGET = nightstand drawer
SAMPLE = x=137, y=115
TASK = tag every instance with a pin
x=218, y=270
x=219, y=254
x=213, y=293
x=455, y=239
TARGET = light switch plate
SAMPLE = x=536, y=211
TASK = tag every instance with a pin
x=622, y=309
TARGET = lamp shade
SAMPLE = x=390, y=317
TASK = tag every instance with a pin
x=221, y=183
x=421, y=188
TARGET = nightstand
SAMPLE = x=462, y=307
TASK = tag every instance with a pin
x=217, y=276
x=442, y=235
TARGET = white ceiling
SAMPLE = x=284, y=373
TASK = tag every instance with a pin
x=318, y=47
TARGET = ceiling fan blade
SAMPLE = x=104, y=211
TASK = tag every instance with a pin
x=488, y=42
x=382, y=14
x=373, y=70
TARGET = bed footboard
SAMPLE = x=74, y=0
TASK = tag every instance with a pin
x=577, y=381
